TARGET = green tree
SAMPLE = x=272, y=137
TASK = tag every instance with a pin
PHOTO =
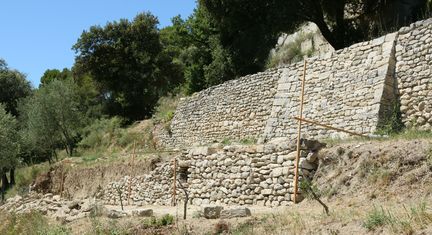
x=13, y=86
x=55, y=74
x=248, y=29
x=129, y=65
x=52, y=119
x=194, y=44
x=9, y=146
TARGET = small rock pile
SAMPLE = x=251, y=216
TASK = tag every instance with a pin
x=65, y=210
x=218, y=212
x=50, y=205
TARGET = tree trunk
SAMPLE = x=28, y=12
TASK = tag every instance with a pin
x=5, y=181
x=3, y=185
x=12, y=176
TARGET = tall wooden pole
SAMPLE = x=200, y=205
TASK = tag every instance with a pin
x=130, y=177
x=174, y=193
x=297, y=160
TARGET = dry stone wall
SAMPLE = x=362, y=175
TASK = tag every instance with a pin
x=237, y=109
x=241, y=175
x=356, y=88
x=349, y=89
x=414, y=74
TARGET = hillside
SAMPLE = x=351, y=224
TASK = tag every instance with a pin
x=380, y=186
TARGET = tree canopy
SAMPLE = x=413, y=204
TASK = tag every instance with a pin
x=127, y=61
x=9, y=141
x=52, y=118
x=248, y=29
x=13, y=86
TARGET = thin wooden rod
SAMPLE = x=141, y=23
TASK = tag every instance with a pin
x=174, y=193
x=329, y=127
x=297, y=160
x=130, y=177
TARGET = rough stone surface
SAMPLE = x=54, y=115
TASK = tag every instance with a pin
x=232, y=175
x=234, y=213
x=142, y=212
x=414, y=74
x=212, y=212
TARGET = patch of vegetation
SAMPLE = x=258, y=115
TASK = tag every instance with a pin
x=379, y=176
x=248, y=141
x=244, y=228
x=165, y=220
x=24, y=176
x=101, y=228
x=392, y=124
x=226, y=141
x=416, y=217
x=291, y=52
x=33, y=223
x=221, y=227
x=165, y=109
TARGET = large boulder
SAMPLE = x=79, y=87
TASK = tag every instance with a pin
x=212, y=212
x=235, y=212
x=142, y=212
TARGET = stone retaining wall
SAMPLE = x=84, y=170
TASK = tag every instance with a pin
x=237, y=109
x=356, y=88
x=350, y=89
x=414, y=74
x=241, y=175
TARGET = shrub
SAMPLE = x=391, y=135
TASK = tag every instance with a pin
x=375, y=218
x=221, y=227
x=291, y=52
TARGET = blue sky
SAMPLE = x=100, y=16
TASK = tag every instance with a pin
x=36, y=35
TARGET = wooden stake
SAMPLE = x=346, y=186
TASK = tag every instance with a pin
x=330, y=127
x=297, y=160
x=62, y=182
x=174, y=193
x=130, y=177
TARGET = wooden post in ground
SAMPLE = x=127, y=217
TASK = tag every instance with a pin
x=174, y=188
x=130, y=177
x=62, y=182
x=297, y=160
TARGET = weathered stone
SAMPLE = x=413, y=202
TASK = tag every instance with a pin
x=142, y=212
x=74, y=205
x=212, y=212
x=114, y=214
x=234, y=213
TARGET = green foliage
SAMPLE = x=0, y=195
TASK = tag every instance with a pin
x=52, y=119
x=248, y=29
x=195, y=45
x=129, y=65
x=55, y=74
x=101, y=133
x=33, y=223
x=101, y=228
x=13, y=86
x=165, y=108
x=24, y=176
x=392, y=123
x=417, y=216
x=291, y=52
x=248, y=141
x=9, y=140
x=165, y=220
x=375, y=218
